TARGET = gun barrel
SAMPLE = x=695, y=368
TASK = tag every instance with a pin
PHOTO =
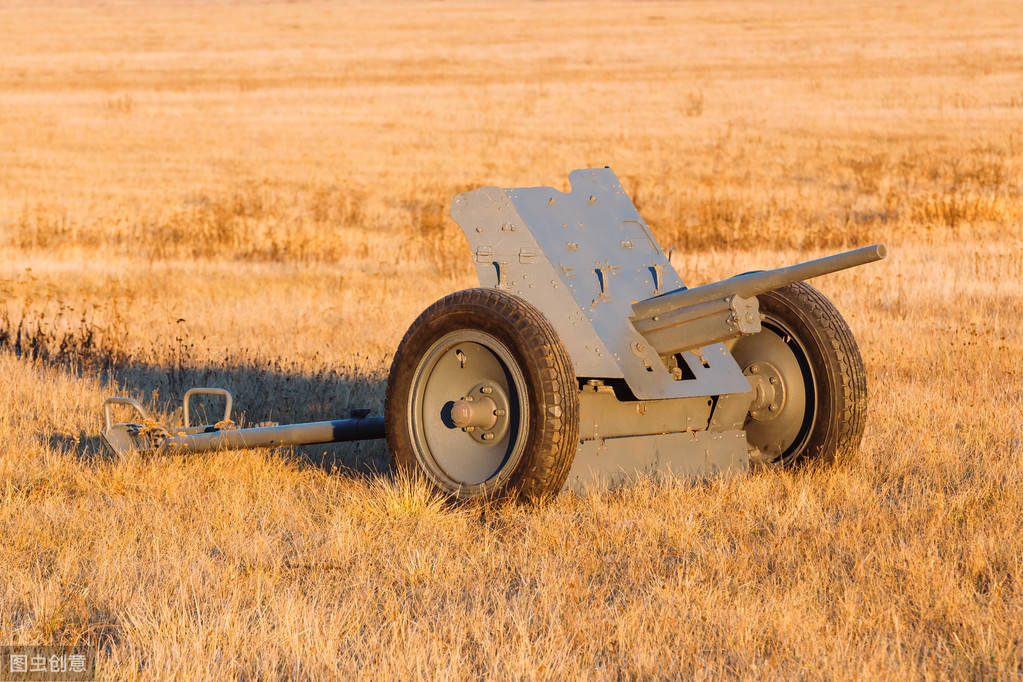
x=752, y=283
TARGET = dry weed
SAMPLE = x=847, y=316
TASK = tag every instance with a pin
x=255, y=196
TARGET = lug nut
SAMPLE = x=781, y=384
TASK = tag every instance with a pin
x=488, y=436
x=774, y=380
x=469, y=429
x=499, y=412
x=755, y=369
x=487, y=390
x=773, y=408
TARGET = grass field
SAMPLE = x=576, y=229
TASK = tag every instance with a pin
x=255, y=196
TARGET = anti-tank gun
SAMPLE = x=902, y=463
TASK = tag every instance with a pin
x=582, y=360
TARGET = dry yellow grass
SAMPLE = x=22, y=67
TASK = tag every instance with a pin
x=254, y=195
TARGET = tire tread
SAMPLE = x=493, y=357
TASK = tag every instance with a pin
x=845, y=417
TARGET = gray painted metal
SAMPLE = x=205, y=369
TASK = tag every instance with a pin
x=583, y=258
x=752, y=283
x=698, y=325
x=602, y=415
x=782, y=385
x=338, y=431
x=588, y=261
x=228, y=402
x=471, y=367
x=620, y=440
x=131, y=402
x=610, y=462
x=730, y=411
x=124, y=438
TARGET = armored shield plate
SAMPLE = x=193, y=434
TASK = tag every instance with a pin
x=583, y=258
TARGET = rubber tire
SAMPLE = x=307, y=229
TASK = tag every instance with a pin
x=551, y=386
x=841, y=383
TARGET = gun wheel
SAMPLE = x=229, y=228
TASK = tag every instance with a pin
x=809, y=385
x=482, y=399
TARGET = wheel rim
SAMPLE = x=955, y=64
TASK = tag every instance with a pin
x=468, y=412
x=783, y=412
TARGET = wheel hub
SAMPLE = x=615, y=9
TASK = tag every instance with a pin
x=768, y=391
x=482, y=413
x=782, y=389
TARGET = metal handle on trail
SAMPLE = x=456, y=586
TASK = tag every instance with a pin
x=131, y=402
x=207, y=391
x=752, y=283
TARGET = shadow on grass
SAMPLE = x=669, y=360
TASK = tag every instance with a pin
x=271, y=392
x=277, y=391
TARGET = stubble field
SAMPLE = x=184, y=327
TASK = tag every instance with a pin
x=255, y=196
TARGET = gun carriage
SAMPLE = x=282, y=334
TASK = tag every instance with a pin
x=583, y=360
